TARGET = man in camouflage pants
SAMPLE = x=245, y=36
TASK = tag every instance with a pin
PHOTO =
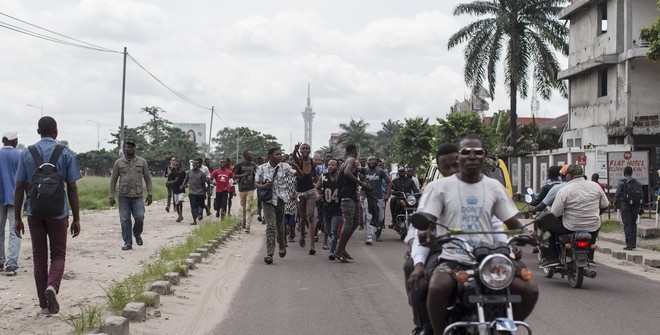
x=273, y=175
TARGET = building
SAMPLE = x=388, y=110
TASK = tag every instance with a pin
x=613, y=88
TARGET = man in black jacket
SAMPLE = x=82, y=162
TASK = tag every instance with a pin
x=553, y=179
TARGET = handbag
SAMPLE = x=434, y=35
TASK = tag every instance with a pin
x=266, y=194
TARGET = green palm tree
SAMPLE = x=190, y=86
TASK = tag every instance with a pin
x=526, y=31
x=355, y=132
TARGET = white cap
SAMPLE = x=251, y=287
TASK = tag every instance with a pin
x=10, y=135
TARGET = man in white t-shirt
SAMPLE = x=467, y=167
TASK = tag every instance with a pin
x=468, y=200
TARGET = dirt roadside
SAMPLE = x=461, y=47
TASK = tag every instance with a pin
x=95, y=260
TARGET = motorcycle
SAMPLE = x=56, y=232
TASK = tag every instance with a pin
x=483, y=301
x=407, y=206
x=574, y=248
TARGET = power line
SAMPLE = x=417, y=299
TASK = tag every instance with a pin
x=51, y=39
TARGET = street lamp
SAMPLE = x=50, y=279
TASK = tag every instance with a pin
x=98, y=140
x=41, y=108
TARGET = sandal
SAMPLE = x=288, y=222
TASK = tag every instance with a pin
x=312, y=251
x=282, y=253
x=342, y=259
x=268, y=259
x=347, y=255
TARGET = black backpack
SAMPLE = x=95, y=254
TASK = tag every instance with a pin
x=47, y=185
x=632, y=192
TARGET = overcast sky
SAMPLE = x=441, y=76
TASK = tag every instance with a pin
x=252, y=60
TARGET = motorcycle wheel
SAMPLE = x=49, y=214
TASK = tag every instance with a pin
x=547, y=272
x=575, y=275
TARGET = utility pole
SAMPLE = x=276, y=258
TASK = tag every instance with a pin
x=123, y=97
x=98, y=138
x=41, y=108
x=208, y=149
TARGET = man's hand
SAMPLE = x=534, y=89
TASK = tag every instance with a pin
x=418, y=274
x=19, y=227
x=150, y=199
x=426, y=238
x=111, y=201
x=75, y=228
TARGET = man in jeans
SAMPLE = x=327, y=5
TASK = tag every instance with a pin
x=9, y=158
x=375, y=176
x=272, y=175
x=48, y=231
x=628, y=211
x=130, y=170
x=244, y=174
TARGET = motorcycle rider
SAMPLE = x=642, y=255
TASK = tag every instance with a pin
x=552, y=193
x=553, y=179
x=400, y=184
x=462, y=201
x=579, y=204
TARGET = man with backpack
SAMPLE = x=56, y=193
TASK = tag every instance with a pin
x=47, y=208
x=629, y=197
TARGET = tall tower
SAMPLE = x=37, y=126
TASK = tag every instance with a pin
x=308, y=116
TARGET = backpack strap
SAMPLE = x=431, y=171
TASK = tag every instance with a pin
x=56, y=154
x=36, y=155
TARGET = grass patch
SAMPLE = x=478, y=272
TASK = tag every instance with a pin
x=88, y=320
x=93, y=191
x=610, y=226
x=655, y=247
x=168, y=259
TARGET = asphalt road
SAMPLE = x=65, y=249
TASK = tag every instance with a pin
x=303, y=294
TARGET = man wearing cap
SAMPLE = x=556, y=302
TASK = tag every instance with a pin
x=130, y=170
x=579, y=203
x=9, y=158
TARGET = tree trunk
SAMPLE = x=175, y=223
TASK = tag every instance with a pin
x=513, y=119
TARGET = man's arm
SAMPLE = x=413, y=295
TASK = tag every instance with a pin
x=72, y=194
x=413, y=186
x=350, y=166
x=388, y=181
x=113, y=180
x=19, y=190
x=558, y=205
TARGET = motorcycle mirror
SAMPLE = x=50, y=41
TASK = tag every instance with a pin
x=421, y=221
x=528, y=198
x=530, y=191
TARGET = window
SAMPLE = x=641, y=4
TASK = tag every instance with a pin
x=578, y=142
x=602, y=82
x=602, y=15
x=569, y=142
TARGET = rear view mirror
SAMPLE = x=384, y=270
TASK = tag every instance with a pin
x=530, y=191
x=528, y=198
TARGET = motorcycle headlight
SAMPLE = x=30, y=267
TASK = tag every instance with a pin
x=496, y=271
x=411, y=200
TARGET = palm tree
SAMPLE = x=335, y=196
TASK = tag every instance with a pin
x=355, y=132
x=529, y=29
x=385, y=138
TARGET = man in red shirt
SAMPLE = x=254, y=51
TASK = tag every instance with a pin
x=221, y=177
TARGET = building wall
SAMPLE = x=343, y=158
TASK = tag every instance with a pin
x=644, y=13
x=644, y=87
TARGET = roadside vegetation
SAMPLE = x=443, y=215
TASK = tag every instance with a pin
x=610, y=226
x=93, y=191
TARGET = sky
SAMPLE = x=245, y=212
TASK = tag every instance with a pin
x=252, y=60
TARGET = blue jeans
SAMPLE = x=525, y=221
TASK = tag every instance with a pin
x=331, y=227
x=127, y=207
x=14, y=244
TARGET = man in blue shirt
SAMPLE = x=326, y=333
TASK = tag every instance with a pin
x=48, y=230
x=8, y=163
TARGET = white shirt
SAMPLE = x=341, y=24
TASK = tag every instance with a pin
x=280, y=189
x=579, y=203
x=470, y=207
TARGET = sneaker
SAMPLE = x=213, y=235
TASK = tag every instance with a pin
x=51, y=296
x=179, y=219
x=378, y=239
x=547, y=263
x=9, y=271
x=127, y=247
x=369, y=241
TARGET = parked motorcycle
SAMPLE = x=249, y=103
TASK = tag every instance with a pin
x=573, y=249
x=483, y=301
x=407, y=206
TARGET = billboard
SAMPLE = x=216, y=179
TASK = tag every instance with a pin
x=196, y=131
x=617, y=161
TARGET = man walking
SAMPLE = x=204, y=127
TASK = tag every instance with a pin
x=375, y=198
x=9, y=158
x=197, y=180
x=221, y=177
x=350, y=205
x=174, y=182
x=244, y=175
x=629, y=198
x=272, y=175
x=130, y=170
x=48, y=232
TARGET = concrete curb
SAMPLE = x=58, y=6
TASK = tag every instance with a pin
x=137, y=311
